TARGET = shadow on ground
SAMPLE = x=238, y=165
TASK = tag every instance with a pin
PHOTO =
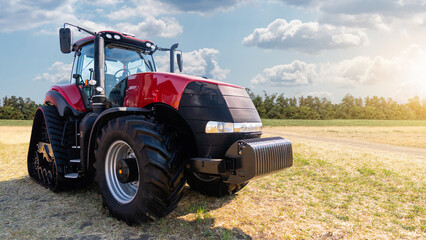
x=28, y=211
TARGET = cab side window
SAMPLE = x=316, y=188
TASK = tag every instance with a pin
x=83, y=68
x=86, y=62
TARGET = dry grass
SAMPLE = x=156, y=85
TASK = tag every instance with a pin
x=14, y=135
x=409, y=136
x=332, y=192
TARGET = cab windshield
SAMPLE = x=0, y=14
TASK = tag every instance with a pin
x=119, y=63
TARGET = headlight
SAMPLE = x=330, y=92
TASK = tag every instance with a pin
x=247, y=127
x=224, y=127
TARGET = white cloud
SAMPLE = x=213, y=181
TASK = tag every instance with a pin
x=397, y=8
x=142, y=9
x=59, y=72
x=362, y=70
x=319, y=94
x=300, y=2
x=405, y=67
x=154, y=8
x=203, y=6
x=94, y=26
x=104, y=2
x=378, y=14
x=397, y=72
x=151, y=27
x=202, y=62
x=25, y=14
x=310, y=37
x=374, y=21
x=294, y=74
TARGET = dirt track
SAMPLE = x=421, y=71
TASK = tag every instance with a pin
x=281, y=131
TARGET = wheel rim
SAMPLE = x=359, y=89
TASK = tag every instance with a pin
x=122, y=192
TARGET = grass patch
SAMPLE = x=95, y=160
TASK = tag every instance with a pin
x=20, y=123
x=341, y=122
x=410, y=136
x=366, y=171
x=331, y=192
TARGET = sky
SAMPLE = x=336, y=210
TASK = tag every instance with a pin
x=325, y=48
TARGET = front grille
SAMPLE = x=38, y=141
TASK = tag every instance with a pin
x=270, y=154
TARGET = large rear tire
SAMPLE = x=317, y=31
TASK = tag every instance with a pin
x=157, y=188
x=211, y=185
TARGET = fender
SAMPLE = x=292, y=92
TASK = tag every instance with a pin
x=94, y=122
x=67, y=96
x=56, y=99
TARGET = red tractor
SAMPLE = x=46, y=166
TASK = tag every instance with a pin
x=142, y=134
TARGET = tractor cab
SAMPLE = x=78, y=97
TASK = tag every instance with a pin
x=104, y=60
x=120, y=62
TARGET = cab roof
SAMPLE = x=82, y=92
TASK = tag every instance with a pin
x=117, y=38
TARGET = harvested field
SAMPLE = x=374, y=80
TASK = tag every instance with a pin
x=14, y=135
x=398, y=136
x=343, y=185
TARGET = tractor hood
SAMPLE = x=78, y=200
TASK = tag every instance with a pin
x=190, y=78
x=152, y=87
x=198, y=101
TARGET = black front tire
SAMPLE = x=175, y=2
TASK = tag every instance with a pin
x=159, y=187
x=211, y=185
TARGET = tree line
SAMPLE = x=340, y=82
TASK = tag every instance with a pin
x=276, y=106
x=18, y=108
x=279, y=107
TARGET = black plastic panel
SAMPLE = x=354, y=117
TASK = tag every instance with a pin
x=203, y=102
x=245, y=115
x=239, y=102
x=232, y=91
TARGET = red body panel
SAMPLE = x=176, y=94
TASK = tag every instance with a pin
x=142, y=90
x=147, y=88
x=71, y=94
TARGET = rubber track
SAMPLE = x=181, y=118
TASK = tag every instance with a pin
x=55, y=126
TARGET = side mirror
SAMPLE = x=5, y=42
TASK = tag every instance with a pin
x=179, y=61
x=65, y=40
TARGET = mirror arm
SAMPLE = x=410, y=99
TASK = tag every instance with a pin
x=80, y=28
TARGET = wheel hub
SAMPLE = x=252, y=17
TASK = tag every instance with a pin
x=126, y=170
x=124, y=184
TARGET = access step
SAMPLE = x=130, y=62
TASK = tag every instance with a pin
x=71, y=175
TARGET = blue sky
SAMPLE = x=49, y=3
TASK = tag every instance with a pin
x=308, y=47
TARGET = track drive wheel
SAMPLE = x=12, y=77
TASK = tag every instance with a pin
x=211, y=185
x=139, y=169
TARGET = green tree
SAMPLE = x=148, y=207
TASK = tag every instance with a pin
x=8, y=112
x=278, y=106
x=14, y=105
